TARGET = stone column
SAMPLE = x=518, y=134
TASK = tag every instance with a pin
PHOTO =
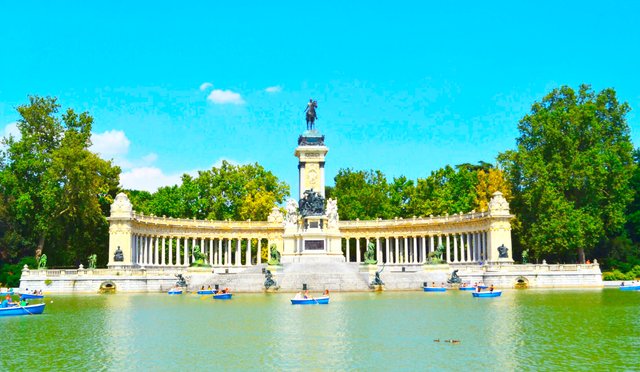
x=378, y=250
x=499, y=233
x=247, y=256
x=170, y=241
x=415, y=249
x=178, y=263
x=121, y=232
x=259, y=252
x=347, y=247
x=228, y=254
x=358, y=249
x=424, y=249
x=455, y=248
x=194, y=244
x=386, y=248
x=396, y=245
x=163, y=257
x=143, y=259
x=238, y=248
x=211, y=253
x=156, y=255
x=186, y=261
x=468, y=237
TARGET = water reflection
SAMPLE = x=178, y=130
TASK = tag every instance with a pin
x=528, y=330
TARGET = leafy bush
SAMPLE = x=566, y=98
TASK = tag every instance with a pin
x=632, y=274
x=10, y=274
x=613, y=275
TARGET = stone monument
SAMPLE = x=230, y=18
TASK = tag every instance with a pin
x=311, y=232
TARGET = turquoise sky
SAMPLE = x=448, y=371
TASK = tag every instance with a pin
x=404, y=87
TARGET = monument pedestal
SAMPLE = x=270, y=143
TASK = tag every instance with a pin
x=311, y=241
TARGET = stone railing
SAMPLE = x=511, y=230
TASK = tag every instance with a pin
x=431, y=220
x=54, y=273
x=527, y=267
x=208, y=224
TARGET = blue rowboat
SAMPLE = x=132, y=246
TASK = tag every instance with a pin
x=487, y=294
x=310, y=301
x=29, y=296
x=473, y=288
x=222, y=296
x=22, y=310
x=175, y=292
x=630, y=287
x=10, y=293
x=434, y=289
x=206, y=291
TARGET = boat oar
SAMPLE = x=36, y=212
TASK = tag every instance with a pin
x=25, y=309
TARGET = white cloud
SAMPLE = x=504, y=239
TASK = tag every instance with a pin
x=148, y=179
x=222, y=97
x=11, y=129
x=150, y=158
x=110, y=144
x=274, y=89
x=205, y=86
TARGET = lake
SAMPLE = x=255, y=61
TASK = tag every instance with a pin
x=522, y=330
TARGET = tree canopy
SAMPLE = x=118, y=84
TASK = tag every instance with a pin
x=368, y=195
x=235, y=192
x=570, y=172
x=54, y=190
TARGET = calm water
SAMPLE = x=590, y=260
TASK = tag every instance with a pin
x=522, y=330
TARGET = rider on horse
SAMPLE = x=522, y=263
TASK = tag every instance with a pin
x=311, y=113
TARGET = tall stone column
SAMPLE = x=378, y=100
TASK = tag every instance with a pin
x=178, y=263
x=405, y=258
x=455, y=247
x=469, y=243
x=396, y=245
x=186, y=261
x=247, y=256
x=120, y=232
x=386, y=248
x=238, y=247
x=499, y=246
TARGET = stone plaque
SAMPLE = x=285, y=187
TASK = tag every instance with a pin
x=313, y=245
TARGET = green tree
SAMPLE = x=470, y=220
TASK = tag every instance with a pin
x=55, y=189
x=235, y=192
x=570, y=172
x=446, y=190
x=363, y=195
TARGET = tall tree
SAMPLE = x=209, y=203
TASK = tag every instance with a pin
x=235, y=192
x=570, y=172
x=362, y=195
x=55, y=188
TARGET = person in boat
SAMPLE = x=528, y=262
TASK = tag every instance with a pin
x=491, y=288
x=433, y=284
x=326, y=293
x=306, y=294
x=208, y=288
x=6, y=302
x=299, y=296
x=23, y=302
x=478, y=288
x=202, y=289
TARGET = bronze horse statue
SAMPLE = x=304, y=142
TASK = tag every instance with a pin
x=311, y=113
